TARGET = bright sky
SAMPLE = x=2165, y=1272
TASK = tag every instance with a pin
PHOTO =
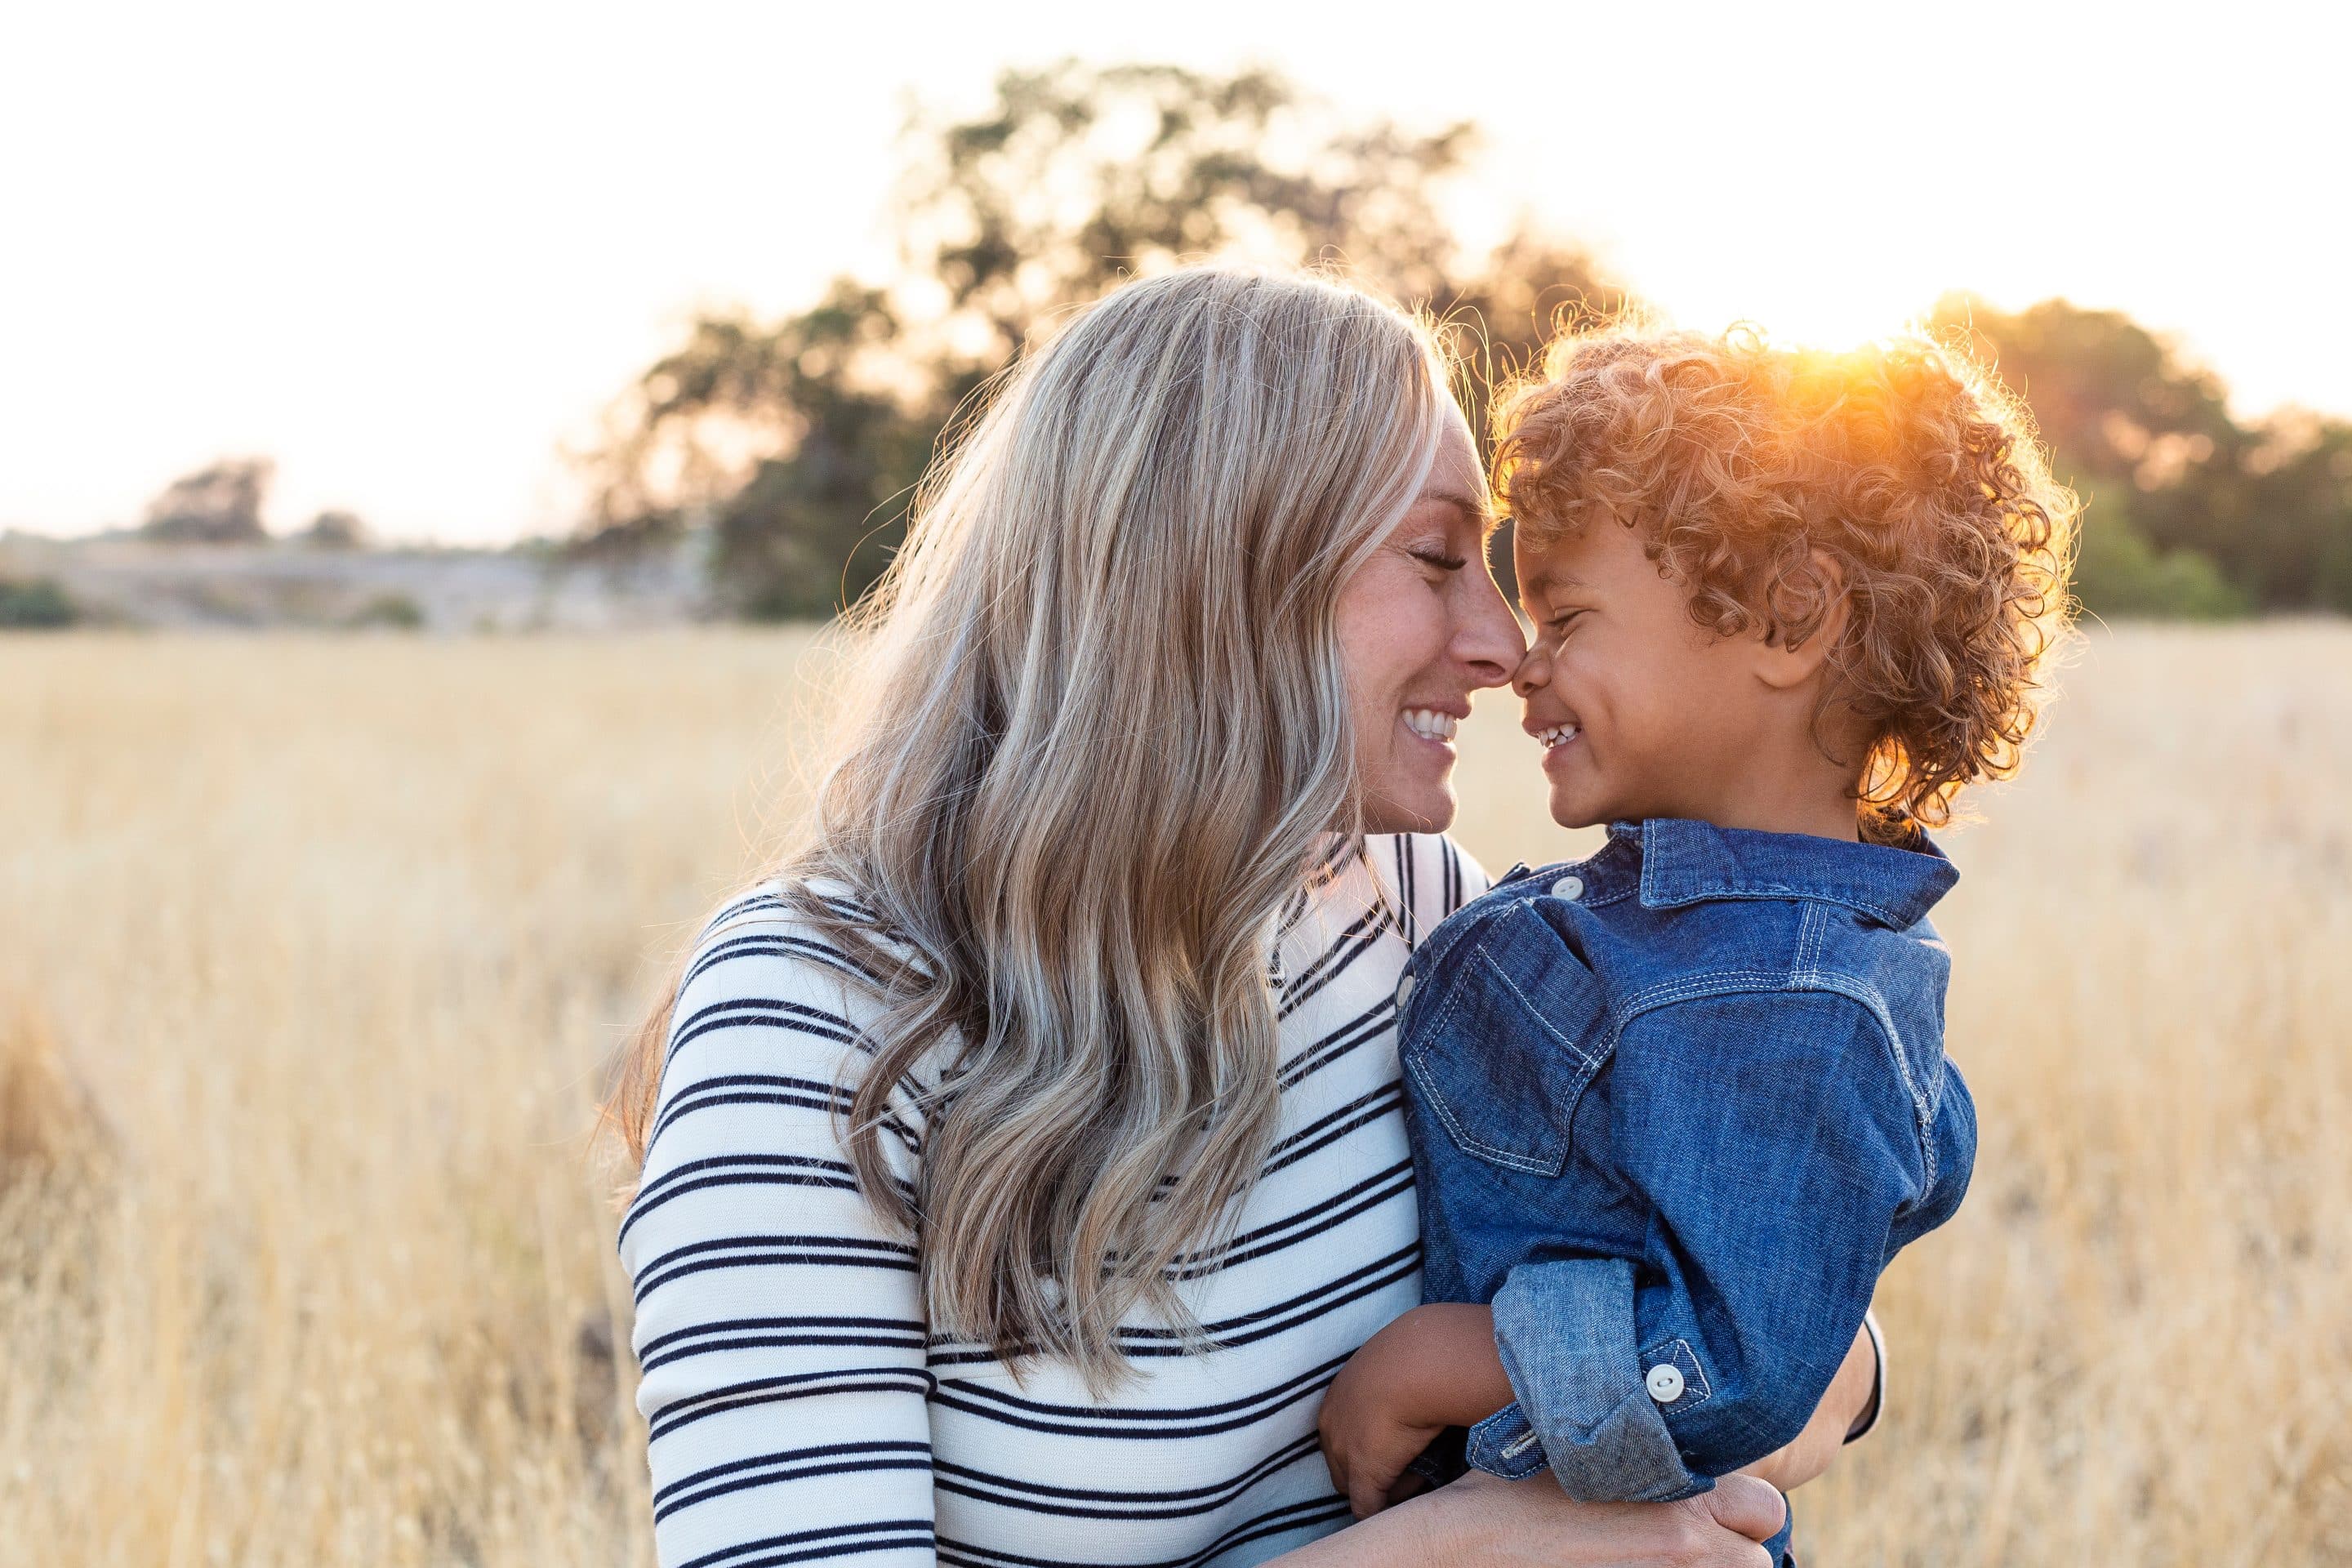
x=410, y=251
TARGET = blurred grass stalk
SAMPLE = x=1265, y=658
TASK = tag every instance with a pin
x=314, y=948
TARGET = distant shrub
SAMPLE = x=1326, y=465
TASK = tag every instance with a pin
x=2119, y=573
x=333, y=529
x=397, y=612
x=40, y=603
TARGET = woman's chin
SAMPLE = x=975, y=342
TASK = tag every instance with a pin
x=1424, y=810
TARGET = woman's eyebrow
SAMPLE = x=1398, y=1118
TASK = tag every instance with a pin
x=1476, y=511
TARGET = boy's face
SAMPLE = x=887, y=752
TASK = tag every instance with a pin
x=1641, y=711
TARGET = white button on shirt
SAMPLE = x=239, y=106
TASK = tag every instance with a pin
x=1665, y=1381
x=1568, y=887
x=1404, y=991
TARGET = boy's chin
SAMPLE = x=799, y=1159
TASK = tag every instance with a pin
x=1579, y=808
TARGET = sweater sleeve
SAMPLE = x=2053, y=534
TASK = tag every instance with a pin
x=778, y=1319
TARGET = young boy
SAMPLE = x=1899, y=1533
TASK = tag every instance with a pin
x=1674, y=1108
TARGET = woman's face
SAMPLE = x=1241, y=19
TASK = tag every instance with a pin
x=1421, y=625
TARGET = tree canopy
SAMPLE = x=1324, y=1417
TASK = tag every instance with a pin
x=2190, y=511
x=798, y=443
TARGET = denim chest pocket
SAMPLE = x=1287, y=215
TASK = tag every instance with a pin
x=1501, y=1047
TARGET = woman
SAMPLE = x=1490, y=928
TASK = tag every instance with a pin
x=1021, y=1160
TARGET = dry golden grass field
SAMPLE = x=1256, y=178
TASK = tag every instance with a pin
x=310, y=951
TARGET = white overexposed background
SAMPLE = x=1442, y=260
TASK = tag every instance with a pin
x=411, y=251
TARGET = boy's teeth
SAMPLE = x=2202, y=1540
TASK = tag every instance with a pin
x=1558, y=735
x=1429, y=724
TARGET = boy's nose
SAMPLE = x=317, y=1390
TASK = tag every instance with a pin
x=1533, y=674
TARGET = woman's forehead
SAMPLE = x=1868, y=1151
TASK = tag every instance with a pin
x=1455, y=476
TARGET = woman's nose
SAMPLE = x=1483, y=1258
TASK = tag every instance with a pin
x=1490, y=642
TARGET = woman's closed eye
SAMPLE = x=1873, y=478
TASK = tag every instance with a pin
x=1435, y=555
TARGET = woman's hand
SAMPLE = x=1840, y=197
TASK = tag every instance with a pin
x=1481, y=1522
x=1849, y=1396
x=1434, y=1367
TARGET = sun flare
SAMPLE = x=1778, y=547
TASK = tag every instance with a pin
x=1797, y=304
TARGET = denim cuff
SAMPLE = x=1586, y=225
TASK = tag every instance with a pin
x=1565, y=1332
x=1505, y=1445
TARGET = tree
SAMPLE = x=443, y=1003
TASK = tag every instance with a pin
x=2142, y=437
x=1080, y=177
x=2292, y=536
x=795, y=442
x=216, y=505
x=800, y=442
x=2189, y=512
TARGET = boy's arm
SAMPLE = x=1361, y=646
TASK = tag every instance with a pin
x=1432, y=1368
x=1775, y=1150
x=1437, y=1366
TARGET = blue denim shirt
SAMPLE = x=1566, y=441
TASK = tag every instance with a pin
x=1673, y=1108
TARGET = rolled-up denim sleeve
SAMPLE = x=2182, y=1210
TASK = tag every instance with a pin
x=1774, y=1145
x=1566, y=1333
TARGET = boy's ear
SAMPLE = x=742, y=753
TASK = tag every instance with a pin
x=1781, y=667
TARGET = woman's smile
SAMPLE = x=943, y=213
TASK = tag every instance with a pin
x=1436, y=725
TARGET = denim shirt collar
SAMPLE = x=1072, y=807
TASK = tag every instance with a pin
x=1673, y=861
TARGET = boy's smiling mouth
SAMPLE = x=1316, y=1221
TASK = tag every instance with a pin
x=1552, y=734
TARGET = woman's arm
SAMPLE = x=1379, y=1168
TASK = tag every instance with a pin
x=779, y=1323
x=1480, y=1521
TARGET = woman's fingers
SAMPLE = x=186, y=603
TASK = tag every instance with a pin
x=1746, y=1505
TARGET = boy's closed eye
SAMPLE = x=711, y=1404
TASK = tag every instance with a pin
x=1552, y=600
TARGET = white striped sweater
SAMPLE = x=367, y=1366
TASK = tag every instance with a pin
x=799, y=1410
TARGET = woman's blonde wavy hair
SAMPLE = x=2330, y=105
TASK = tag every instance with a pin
x=1905, y=462
x=1103, y=730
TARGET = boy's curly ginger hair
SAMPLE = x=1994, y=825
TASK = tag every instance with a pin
x=1904, y=463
